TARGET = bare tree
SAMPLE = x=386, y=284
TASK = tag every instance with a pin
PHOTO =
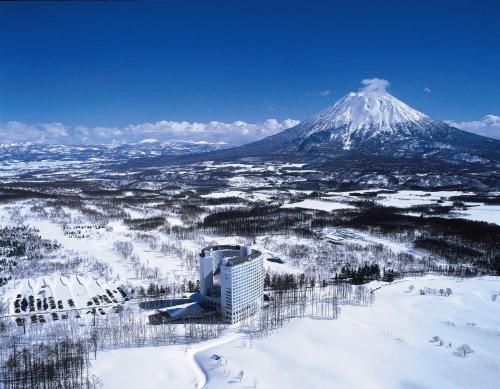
x=464, y=351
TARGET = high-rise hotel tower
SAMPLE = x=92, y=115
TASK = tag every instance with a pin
x=232, y=280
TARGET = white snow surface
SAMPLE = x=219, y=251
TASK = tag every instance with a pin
x=481, y=212
x=383, y=346
x=155, y=367
x=319, y=205
x=220, y=195
x=147, y=367
x=411, y=198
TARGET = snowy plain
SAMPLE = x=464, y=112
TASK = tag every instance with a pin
x=319, y=205
x=481, y=213
x=387, y=345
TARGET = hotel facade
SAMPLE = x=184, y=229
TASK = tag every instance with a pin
x=232, y=280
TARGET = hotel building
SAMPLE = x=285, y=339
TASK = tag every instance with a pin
x=232, y=280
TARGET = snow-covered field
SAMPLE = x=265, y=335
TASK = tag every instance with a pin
x=220, y=195
x=482, y=213
x=148, y=367
x=100, y=247
x=319, y=205
x=384, y=346
x=411, y=198
x=406, y=199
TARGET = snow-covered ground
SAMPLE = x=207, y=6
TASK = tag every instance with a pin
x=319, y=205
x=482, y=213
x=263, y=195
x=99, y=244
x=383, y=346
x=220, y=195
x=148, y=367
x=401, y=198
x=175, y=366
x=100, y=248
x=411, y=198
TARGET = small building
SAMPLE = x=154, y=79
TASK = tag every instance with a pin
x=275, y=260
x=232, y=280
x=177, y=312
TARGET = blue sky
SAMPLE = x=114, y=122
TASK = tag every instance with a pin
x=113, y=65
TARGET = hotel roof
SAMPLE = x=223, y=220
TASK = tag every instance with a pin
x=234, y=260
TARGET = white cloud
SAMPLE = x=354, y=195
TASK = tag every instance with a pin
x=236, y=133
x=489, y=126
x=15, y=131
x=321, y=93
x=428, y=90
x=375, y=85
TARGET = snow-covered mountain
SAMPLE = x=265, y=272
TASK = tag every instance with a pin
x=371, y=138
x=375, y=123
x=365, y=115
x=147, y=148
x=364, y=109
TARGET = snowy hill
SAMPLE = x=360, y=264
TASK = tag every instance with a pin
x=147, y=148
